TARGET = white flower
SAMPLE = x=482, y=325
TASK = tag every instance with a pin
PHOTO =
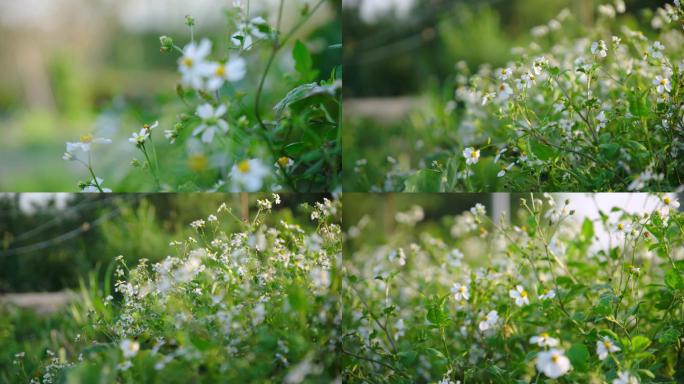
x=538, y=64
x=234, y=70
x=398, y=257
x=625, y=378
x=129, y=348
x=460, y=292
x=529, y=79
x=193, y=65
x=248, y=175
x=553, y=363
x=519, y=294
x=249, y=30
x=284, y=162
x=656, y=50
x=548, y=295
x=505, y=73
x=471, y=155
x=544, y=340
x=139, y=138
x=489, y=320
x=211, y=121
x=599, y=48
x=602, y=119
x=604, y=347
x=505, y=92
x=400, y=329
x=91, y=187
x=478, y=210
x=84, y=144
x=662, y=84
x=503, y=171
x=499, y=152
x=670, y=203
x=487, y=98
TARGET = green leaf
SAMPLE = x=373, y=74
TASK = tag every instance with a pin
x=587, y=229
x=640, y=343
x=610, y=150
x=542, y=151
x=674, y=280
x=307, y=94
x=669, y=336
x=436, y=313
x=303, y=61
x=295, y=149
x=578, y=355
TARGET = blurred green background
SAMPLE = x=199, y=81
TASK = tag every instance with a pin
x=52, y=241
x=70, y=67
x=413, y=46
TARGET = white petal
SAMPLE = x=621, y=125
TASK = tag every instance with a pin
x=208, y=135
x=221, y=110
x=205, y=111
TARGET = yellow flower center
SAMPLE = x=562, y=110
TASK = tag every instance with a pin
x=462, y=289
x=533, y=78
x=475, y=154
x=621, y=226
x=555, y=358
x=198, y=162
x=188, y=62
x=220, y=71
x=284, y=161
x=667, y=201
x=544, y=335
x=607, y=344
x=663, y=82
x=244, y=166
x=87, y=138
x=523, y=294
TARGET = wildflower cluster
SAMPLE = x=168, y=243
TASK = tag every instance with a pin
x=251, y=306
x=221, y=127
x=551, y=296
x=602, y=111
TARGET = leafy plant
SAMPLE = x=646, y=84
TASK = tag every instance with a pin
x=579, y=109
x=469, y=299
x=226, y=144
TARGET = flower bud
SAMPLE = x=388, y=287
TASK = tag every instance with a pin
x=166, y=43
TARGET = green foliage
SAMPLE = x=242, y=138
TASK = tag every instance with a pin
x=251, y=305
x=470, y=299
x=569, y=112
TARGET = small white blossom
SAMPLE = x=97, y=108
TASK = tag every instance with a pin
x=471, y=155
x=599, y=48
x=193, y=65
x=489, y=320
x=460, y=292
x=662, y=84
x=248, y=175
x=519, y=294
x=605, y=347
x=625, y=378
x=553, y=363
x=544, y=340
x=129, y=348
x=211, y=121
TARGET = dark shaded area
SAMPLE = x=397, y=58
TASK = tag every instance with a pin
x=391, y=57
